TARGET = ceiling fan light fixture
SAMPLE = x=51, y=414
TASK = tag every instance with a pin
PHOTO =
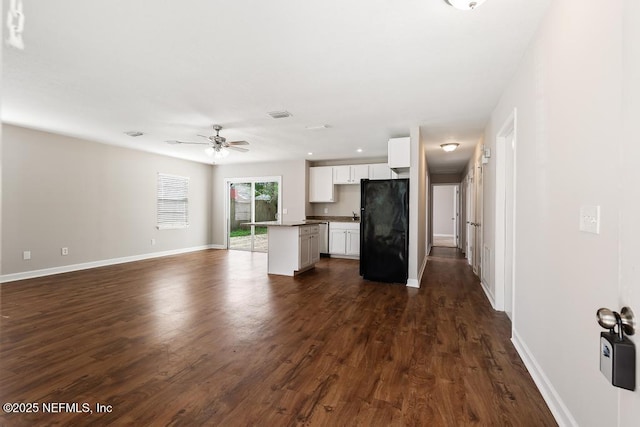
x=464, y=4
x=449, y=146
x=221, y=153
x=209, y=151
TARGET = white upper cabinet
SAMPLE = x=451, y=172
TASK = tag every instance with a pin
x=359, y=172
x=342, y=174
x=321, y=188
x=350, y=174
x=381, y=171
x=399, y=150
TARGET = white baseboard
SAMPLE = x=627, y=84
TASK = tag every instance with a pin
x=102, y=263
x=549, y=394
x=444, y=235
x=485, y=288
x=415, y=283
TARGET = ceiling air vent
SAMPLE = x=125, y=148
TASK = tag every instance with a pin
x=279, y=114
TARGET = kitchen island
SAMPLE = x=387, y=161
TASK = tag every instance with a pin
x=293, y=247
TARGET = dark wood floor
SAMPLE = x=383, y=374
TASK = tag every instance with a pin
x=208, y=338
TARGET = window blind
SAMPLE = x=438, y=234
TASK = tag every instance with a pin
x=173, y=201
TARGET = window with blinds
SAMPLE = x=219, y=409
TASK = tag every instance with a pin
x=173, y=201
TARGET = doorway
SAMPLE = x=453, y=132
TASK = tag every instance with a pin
x=251, y=200
x=505, y=217
x=470, y=205
x=445, y=215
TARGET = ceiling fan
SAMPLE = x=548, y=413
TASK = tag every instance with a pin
x=217, y=146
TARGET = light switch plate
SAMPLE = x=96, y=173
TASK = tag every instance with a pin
x=26, y=255
x=590, y=219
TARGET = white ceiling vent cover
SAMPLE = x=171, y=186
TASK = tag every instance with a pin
x=279, y=114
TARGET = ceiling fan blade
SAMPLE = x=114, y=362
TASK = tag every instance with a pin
x=186, y=142
x=238, y=143
x=232, y=147
x=205, y=136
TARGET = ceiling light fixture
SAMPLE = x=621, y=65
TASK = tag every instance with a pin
x=464, y=4
x=216, y=151
x=134, y=133
x=316, y=127
x=359, y=150
x=279, y=114
x=449, y=146
x=220, y=153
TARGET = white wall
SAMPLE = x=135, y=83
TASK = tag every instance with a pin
x=97, y=200
x=348, y=201
x=568, y=96
x=294, y=183
x=418, y=208
x=443, y=212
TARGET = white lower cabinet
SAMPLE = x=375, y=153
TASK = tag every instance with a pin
x=344, y=239
x=293, y=249
x=304, y=255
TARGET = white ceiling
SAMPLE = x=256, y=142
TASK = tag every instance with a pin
x=171, y=69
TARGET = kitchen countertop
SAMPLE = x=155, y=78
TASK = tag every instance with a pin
x=333, y=219
x=285, y=223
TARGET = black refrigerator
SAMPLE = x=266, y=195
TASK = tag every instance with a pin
x=384, y=230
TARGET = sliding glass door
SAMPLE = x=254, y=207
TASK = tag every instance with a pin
x=251, y=200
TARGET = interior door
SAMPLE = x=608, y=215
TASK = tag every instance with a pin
x=456, y=216
x=477, y=240
x=628, y=287
x=471, y=217
x=509, y=225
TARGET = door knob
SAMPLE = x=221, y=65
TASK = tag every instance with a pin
x=609, y=319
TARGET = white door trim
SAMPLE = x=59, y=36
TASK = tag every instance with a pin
x=252, y=180
x=509, y=127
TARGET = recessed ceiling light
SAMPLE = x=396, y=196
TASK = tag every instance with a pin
x=316, y=127
x=134, y=133
x=279, y=114
x=309, y=153
x=359, y=150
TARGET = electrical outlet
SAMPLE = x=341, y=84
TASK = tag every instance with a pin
x=326, y=210
x=590, y=219
x=26, y=255
x=153, y=242
x=64, y=251
x=284, y=211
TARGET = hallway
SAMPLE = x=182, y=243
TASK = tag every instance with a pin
x=486, y=382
